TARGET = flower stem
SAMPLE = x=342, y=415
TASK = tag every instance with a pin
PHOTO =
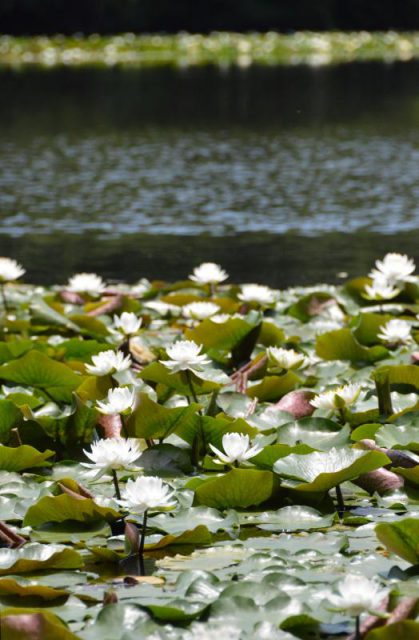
x=190, y=385
x=116, y=484
x=3, y=296
x=342, y=416
x=340, y=501
x=141, y=549
x=382, y=385
x=357, y=628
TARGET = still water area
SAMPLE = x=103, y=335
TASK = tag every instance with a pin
x=284, y=175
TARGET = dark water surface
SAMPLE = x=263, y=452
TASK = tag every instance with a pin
x=284, y=175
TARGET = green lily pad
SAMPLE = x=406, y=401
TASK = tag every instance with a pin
x=13, y=585
x=294, y=518
x=152, y=420
x=37, y=370
x=23, y=457
x=406, y=629
x=64, y=507
x=401, y=537
x=10, y=417
x=341, y=344
x=391, y=436
x=321, y=471
x=27, y=624
x=317, y=433
x=239, y=488
x=177, y=523
x=157, y=372
x=272, y=388
x=38, y=557
x=220, y=340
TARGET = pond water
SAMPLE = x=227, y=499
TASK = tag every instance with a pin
x=283, y=174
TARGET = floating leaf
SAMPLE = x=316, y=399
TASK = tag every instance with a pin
x=166, y=460
x=64, y=507
x=22, y=457
x=10, y=417
x=157, y=372
x=322, y=471
x=398, y=437
x=239, y=488
x=295, y=518
x=219, y=340
x=32, y=624
x=152, y=420
x=38, y=557
x=401, y=537
x=177, y=523
x=37, y=370
x=404, y=629
x=272, y=388
x=341, y=344
x=28, y=588
x=317, y=433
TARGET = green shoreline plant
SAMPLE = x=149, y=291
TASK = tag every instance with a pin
x=222, y=48
x=173, y=466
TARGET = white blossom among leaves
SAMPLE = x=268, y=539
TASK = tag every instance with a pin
x=380, y=289
x=185, y=355
x=147, y=492
x=236, y=447
x=200, y=310
x=10, y=270
x=286, y=358
x=257, y=293
x=395, y=331
x=113, y=453
x=119, y=400
x=394, y=268
x=127, y=323
x=89, y=283
x=208, y=273
x=107, y=362
x=338, y=398
x=356, y=594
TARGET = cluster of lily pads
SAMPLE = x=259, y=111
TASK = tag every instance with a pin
x=224, y=48
x=204, y=459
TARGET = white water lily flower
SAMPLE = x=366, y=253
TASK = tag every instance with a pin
x=221, y=318
x=395, y=331
x=10, y=270
x=257, y=293
x=395, y=268
x=184, y=356
x=89, y=283
x=119, y=400
x=147, y=492
x=127, y=323
x=237, y=449
x=286, y=358
x=380, y=289
x=200, y=310
x=208, y=273
x=337, y=398
x=107, y=362
x=112, y=453
x=356, y=594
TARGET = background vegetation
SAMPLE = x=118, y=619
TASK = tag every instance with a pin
x=113, y=16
